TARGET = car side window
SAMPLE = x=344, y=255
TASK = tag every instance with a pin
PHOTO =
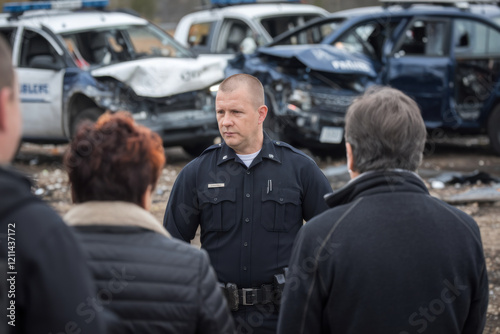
x=475, y=38
x=367, y=38
x=424, y=38
x=37, y=52
x=233, y=33
x=199, y=33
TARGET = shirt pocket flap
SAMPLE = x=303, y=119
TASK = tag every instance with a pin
x=218, y=195
x=282, y=196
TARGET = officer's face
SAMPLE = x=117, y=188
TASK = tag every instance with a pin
x=240, y=120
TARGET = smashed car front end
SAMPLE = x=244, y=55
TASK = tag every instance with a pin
x=308, y=89
x=173, y=97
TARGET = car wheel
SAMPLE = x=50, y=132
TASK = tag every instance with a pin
x=494, y=129
x=90, y=114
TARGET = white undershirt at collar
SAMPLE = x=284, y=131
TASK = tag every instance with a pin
x=248, y=158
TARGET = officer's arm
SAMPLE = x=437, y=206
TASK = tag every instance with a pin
x=301, y=309
x=182, y=214
x=315, y=186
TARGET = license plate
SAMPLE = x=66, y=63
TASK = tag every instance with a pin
x=331, y=135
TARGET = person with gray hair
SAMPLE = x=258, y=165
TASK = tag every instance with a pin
x=386, y=257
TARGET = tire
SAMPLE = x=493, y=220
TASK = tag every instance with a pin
x=90, y=114
x=494, y=129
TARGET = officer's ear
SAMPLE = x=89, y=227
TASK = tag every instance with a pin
x=262, y=113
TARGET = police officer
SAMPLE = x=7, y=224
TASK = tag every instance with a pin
x=250, y=195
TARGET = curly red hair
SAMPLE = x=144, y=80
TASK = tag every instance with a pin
x=114, y=159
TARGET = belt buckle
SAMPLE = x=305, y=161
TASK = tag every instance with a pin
x=244, y=291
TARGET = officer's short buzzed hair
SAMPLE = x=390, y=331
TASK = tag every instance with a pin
x=6, y=69
x=255, y=88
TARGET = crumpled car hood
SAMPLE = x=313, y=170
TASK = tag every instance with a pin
x=324, y=58
x=160, y=77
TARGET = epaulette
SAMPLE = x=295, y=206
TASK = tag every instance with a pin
x=280, y=143
x=211, y=148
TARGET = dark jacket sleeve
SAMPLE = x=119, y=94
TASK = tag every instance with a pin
x=57, y=281
x=301, y=307
x=477, y=313
x=214, y=313
x=181, y=217
x=315, y=185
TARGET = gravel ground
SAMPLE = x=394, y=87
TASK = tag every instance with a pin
x=44, y=164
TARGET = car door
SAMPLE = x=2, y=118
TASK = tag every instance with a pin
x=420, y=66
x=40, y=70
x=476, y=56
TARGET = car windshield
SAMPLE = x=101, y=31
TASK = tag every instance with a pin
x=277, y=25
x=98, y=47
x=311, y=35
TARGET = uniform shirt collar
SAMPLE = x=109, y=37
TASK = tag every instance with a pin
x=268, y=151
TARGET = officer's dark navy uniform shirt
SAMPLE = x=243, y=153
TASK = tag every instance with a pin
x=249, y=216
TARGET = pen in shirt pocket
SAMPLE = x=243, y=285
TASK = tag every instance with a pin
x=269, y=186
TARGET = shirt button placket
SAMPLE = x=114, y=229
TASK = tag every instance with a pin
x=246, y=230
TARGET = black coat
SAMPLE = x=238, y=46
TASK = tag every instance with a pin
x=154, y=283
x=51, y=279
x=387, y=258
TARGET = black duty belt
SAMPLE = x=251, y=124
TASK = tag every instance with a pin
x=267, y=293
x=253, y=296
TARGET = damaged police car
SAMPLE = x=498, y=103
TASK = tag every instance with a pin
x=444, y=57
x=74, y=63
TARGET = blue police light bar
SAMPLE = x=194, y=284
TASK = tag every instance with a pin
x=241, y=2
x=19, y=7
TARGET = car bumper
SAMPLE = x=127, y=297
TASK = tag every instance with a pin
x=316, y=128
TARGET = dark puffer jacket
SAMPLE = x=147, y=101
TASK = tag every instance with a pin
x=155, y=284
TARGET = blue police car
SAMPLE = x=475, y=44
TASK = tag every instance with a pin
x=446, y=57
x=74, y=61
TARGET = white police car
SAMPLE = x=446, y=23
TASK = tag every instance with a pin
x=75, y=63
x=231, y=26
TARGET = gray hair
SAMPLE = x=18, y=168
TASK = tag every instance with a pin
x=386, y=131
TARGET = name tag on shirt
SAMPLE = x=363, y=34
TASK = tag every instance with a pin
x=216, y=185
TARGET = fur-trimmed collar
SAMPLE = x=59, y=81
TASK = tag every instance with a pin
x=114, y=214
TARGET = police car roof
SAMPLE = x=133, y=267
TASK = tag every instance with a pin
x=68, y=21
x=482, y=9
x=263, y=10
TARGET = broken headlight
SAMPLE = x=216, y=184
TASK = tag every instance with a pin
x=300, y=99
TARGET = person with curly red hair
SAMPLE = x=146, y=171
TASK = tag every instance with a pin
x=155, y=284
